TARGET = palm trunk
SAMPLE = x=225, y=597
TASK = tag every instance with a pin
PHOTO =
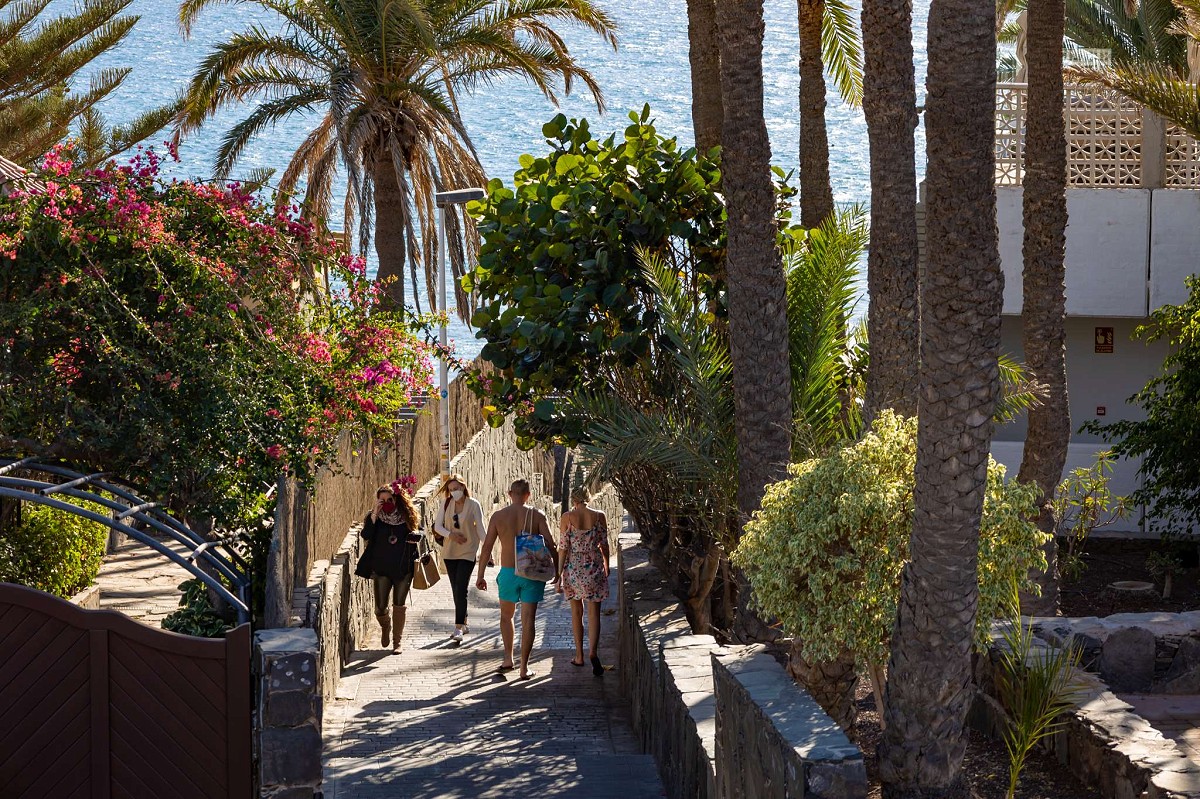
x=1043, y=313
x=890, y=105
x=830, y=683
x=816, y=190
x=929, y=675
x=390, y=247
x=704, y=52
x=758, y=332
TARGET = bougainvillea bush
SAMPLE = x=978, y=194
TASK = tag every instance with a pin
x=825, y=551
x=183, y=336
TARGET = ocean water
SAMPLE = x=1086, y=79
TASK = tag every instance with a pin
x=505, y=120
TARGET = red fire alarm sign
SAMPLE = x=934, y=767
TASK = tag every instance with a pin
x=1101, y=410
x=1104, y=339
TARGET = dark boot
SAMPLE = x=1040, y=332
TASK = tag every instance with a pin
x=397, y=627
x=385, y=624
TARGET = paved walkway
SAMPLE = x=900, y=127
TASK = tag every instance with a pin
x=438, y=721
x=141, y=583
x=1176, y=716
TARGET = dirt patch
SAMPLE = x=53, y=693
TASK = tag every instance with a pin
x=985, y=765
x=1110, y=560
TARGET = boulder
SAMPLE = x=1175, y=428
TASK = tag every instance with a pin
x=1127, y=659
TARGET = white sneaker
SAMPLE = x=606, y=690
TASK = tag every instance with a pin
x=457, y=636
x=466, y=629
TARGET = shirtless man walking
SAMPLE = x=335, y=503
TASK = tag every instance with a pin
x=506, y=524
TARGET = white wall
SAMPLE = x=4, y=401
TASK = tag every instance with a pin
x=1107, y=250
x=1174, y=244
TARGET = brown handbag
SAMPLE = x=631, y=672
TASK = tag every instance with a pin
x=425, y=567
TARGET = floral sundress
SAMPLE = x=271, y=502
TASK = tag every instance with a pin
x=583, y=577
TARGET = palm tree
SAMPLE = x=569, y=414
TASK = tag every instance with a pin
x=756, y=287
x=1153, y=84
x=1117, y=30
x=929, y=681
x=758, y=329
x=704, y=53
x=1043, y=313
x=40, y=58
x=381, y=82
x=828, y=38
x=890, y=106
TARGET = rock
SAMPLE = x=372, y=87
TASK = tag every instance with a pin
x=1127, y=659
x=1187, y=658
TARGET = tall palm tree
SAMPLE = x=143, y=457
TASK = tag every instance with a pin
x=704, y=53
x=828, y=39
x=1043, y=313
x=380, y=82
x=1155, y=85
x=758, y=328
x=890, y=106
x=40, y=59
x=929, y=682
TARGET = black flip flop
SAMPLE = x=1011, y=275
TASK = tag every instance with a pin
x=578, y=665
x=528, y=676
x=505, y=669
x=597, y=667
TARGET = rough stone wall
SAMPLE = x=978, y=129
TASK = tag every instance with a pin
x=773, y=739
x=287, y=714
x=1103, y=741
x=736, y=730
x=88, y=598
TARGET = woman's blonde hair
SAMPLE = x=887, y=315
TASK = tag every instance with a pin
x=581, y=495
x=455, y=478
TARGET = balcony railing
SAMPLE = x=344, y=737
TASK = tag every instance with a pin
x=1112, y=142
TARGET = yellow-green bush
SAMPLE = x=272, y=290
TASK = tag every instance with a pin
x=824, y=552
x=52, y=550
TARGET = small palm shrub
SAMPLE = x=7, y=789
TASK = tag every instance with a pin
x=825, y=551
x=53, y=551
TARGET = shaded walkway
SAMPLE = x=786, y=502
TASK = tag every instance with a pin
x=438, y=721
x=141, y=583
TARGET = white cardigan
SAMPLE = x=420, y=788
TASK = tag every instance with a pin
x=470, y=524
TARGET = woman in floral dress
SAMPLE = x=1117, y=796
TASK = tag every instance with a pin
x=583, y=561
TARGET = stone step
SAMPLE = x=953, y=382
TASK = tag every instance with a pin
x=525, y=773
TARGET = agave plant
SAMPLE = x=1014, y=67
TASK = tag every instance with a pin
x=381, y=81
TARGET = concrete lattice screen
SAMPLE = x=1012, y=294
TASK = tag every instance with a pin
x=1112, y=142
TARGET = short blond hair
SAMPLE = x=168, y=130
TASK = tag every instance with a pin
x=581, y=495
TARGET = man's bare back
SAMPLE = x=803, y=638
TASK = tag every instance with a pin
x=508, y=522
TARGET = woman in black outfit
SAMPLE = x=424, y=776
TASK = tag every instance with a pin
x=392, y=535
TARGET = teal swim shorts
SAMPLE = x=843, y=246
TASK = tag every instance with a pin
x=518, y=589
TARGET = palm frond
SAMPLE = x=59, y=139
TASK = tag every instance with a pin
x=841, y=50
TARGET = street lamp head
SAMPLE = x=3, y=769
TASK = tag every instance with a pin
x=458, y=197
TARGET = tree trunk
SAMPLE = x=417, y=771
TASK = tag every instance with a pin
x=831, y=683
x=890, y=106
x=704, y=52
x=929, y=675
x=390, y=214
x=816, y=190
x=1044, y=308
x=758, y=332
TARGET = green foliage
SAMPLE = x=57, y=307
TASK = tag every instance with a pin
x=1165, y=440
x=1036, y=685
x=381, y=84
x=825, y=551
x=822, y=291
x=841, y=49
x=564, y=304
x=53, y=550
x=1083, y=503
x=172, y=334
x=41, y=56
x=195, y=615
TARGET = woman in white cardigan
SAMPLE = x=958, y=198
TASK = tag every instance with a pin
x=460, y=530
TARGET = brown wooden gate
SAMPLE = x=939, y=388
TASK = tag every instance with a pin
x=94, y=704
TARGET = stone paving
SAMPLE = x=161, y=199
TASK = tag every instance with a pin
x=1176, y=716
x=438, y=721
x=141, y=582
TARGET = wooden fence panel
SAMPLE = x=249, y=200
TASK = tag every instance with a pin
x=94, y=704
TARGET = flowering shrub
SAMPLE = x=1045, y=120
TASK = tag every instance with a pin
x=825, y=551
x=182, y=336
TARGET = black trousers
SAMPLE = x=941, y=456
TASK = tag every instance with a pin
x=459, y=572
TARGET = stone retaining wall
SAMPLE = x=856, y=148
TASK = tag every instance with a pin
x=88, y=598
x=722, y=722
x=1103, y=741
x=287, y=714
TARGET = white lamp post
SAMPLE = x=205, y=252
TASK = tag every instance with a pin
x=444, y=200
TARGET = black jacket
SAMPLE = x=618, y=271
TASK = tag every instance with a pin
x=390, y=551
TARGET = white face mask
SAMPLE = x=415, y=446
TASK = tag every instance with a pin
x=457, y=494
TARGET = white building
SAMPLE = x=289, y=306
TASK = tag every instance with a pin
x=1133, y=200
